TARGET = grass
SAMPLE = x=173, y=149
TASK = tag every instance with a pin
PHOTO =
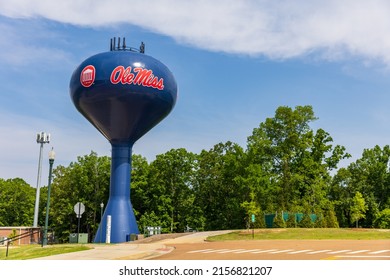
x=26, y=252
x=304, y=233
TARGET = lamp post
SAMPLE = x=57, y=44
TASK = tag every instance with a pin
x=52, y=156
x=101, y=219
x=42, y=138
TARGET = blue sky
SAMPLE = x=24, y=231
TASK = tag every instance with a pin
x=235, y=62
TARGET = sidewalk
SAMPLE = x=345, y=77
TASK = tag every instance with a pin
x=138, y=250
x=125, y=251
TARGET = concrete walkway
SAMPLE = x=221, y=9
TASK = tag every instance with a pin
x=138, y=250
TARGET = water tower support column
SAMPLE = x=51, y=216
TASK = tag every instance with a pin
x=123, y=221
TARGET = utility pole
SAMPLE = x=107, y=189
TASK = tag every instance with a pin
x=42, y=138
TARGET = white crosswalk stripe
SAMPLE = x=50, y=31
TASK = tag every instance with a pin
x=224, y=251
x=247, y=251
x=379, y=252
x=357, y=252
x=299, y=252
x=264, y=251
x=200, y=251
x=282, y=251
x=318, y=252
x=364, y=256
x=347, y=252
x=231, y=251
x=216, y=251
x=338, y=252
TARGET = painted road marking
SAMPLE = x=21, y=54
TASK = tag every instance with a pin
x=318, y=252
x=338, y=252
x=348, y=253
x=357, y=252
x=299, y=252
x=365, y=256
x=200, y=251
x=247, y=251
x=264, y=251
x=216, y=251
x=282, y=251
x=379, y=252
x=231, y=251
x=223, y=251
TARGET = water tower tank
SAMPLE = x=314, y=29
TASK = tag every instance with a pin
x=123, y=93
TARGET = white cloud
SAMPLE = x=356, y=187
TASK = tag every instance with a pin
x=278, y=29
x=25, y=44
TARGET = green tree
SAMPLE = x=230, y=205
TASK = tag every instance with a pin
x=279, y=221
x=252, y=208
x=17, y=200
x=278, y=143
x=370, y=176
x=171, y=193
x=256, y=181
x=140, y=189
x=320, y=222
x=218, y=192
x=306, y=221
x=383, y=219
x=147, y=220
x=330, y=218
x=296, y=160
x=86, y=181
x=339, y=194
x=260, y=197
x=358, y=208
x=291, y=220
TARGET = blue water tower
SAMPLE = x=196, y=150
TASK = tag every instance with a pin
x=123, y=93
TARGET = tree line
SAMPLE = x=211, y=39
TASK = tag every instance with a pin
x=286, y=167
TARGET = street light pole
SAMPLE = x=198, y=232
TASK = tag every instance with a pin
x=101, y=220
x=42, y=138
x=52, y=156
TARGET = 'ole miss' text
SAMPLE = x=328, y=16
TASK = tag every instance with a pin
x=136, y=76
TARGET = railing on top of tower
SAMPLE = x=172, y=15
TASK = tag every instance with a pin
x=114, y=46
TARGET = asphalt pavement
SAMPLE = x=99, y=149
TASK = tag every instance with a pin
x=147, y=248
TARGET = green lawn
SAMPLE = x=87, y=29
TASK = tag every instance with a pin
x=305, y=233
x=25, y=252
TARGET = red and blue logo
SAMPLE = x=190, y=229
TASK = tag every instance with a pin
x=87, y=76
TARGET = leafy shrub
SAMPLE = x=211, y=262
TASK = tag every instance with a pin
x=331, y=219
x=306, y=221
x=260, y=221
x=279, y=221
x=382, y=220
x=291, y=221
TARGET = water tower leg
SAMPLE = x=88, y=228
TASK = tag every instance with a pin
x=119, y=207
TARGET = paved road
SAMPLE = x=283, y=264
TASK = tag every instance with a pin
x=281, y=250
x=194, y=247
x=140, y=250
